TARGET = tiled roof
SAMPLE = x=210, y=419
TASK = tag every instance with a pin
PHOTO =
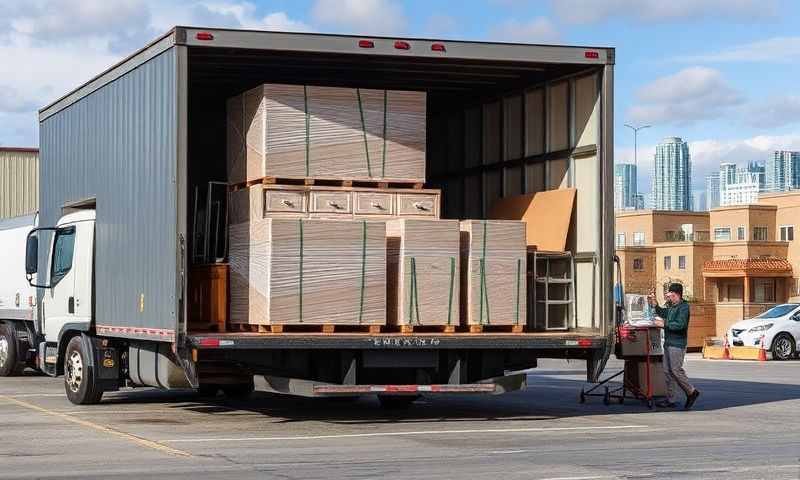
x=748, y=264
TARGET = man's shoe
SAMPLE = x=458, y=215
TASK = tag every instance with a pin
x=666, y=404
x=691, y=399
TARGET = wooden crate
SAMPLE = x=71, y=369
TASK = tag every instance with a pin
x=296, y=131
x=307, y=272
x=208, y=297
x=423, y=272
x=493, y=269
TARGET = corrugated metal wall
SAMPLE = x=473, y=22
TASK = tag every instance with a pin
x=19, y=182
x=118, y=145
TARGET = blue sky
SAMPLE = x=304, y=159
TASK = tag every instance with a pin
x=721, y=74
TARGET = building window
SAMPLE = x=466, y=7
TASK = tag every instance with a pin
x=667, y=263
x=682, y=262
x=787, y=233
x=638, y=264
x=620, y=240
x=671, y=235
x=740, y=234
x=764, y=290
x=731, y=292
x=638, y=238
x=760, y=233
x=722, y=234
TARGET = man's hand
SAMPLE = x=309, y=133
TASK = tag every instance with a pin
x=659, y=322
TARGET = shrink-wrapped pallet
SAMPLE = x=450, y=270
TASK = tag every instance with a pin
x=423, y=272
x=307, y=271
x=293, y=131
x=493, y=270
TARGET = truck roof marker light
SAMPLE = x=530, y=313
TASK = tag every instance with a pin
x=209, y=342
x=204, y=36
x=591, y=54
x=438, y=47
x=366, y=44
x=401, y=45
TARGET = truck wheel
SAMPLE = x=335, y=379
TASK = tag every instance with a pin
x=397, y=402
x=79, y=381
x=239, y=391
x=783, y=347
x=9, y=360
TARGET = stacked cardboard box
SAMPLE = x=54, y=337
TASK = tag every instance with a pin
x=493, y=271
x=423, y=272
x=292, y=131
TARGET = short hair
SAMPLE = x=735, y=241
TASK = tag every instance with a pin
x=676, y=288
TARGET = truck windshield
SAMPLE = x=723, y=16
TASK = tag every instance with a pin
x=778, y=311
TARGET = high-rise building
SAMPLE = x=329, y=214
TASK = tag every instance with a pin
x=699, y=201
x=639, y=201
x=743, y=190
x=712, y=191
x=760, y=171
x=727, y=174
x=624, y=186
x=783, y=171
x=672, y=175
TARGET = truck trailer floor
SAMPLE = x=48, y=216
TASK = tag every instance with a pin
x=743, y=426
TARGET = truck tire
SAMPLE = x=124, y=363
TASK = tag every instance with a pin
x=79, y=381
x=9, y=357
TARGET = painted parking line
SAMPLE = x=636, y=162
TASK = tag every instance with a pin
x=142, y=442
x=409, y=433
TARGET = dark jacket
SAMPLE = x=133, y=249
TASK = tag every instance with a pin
x=676, y=323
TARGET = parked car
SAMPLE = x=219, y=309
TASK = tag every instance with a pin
x=779, y=326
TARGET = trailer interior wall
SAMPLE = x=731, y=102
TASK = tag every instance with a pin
x=118, y=146
x=495, y=128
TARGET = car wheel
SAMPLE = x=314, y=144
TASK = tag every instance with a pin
x=783, y=347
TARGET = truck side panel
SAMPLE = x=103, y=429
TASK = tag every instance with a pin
x=118, y=145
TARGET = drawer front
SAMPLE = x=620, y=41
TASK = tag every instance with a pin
x=285, y=201
x=368, y=203
x=418, y=204
x=331, y=202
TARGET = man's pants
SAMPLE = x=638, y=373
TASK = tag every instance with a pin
x=674, y=372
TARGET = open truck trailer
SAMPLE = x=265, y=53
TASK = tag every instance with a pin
x=122, y=155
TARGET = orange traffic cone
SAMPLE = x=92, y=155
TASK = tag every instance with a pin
x=762, y=353
x=726, y=352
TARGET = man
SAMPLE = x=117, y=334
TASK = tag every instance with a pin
x=675, y=322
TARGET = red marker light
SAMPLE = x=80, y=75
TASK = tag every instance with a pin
x=366, y=44
x=591, y=55
x=584, y=342
x=401, y=45
x=209, y=342
x=438, y=47
x=204, y=36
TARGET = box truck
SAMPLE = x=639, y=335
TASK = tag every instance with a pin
x=123, y=154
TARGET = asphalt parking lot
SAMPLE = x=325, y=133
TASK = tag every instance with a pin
x=744, y=426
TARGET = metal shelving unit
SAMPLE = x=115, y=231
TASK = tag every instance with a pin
x=551, y=303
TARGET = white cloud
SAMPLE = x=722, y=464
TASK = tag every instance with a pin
x=774, y=50
x=440, y=25
x=361, y=16
x=775, y=112
x=538, y=30
x=279, y=21
x=592, y=11
x=692, y=94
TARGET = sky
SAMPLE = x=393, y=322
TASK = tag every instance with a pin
x=721, y=74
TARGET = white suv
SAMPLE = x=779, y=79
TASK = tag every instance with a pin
x=779, y=326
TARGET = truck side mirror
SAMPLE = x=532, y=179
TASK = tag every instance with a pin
x=32, y=254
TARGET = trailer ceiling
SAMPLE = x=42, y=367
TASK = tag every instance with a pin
x=228, y=71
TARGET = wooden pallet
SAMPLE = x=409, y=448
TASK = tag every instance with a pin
x=294, y=328
x=496, y=328
x=408, y=329
x=329, y=182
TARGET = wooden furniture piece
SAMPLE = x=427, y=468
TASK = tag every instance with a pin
x=423, y=274
x=208, y=297
x=547, y=214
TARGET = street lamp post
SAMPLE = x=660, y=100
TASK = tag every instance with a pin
x=636, y=151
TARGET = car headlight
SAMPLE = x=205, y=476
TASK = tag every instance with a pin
x=761, y=328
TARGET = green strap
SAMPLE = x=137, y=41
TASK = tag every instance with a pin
x=413, y=294
x=308, y=129
x=385, y=117
x=450, y=295
x=300, y=302
x=484, y=293
x=363, y=268
x=364, y=130
x=516, y=312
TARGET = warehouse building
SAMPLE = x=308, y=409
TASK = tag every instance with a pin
x=19, y=181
